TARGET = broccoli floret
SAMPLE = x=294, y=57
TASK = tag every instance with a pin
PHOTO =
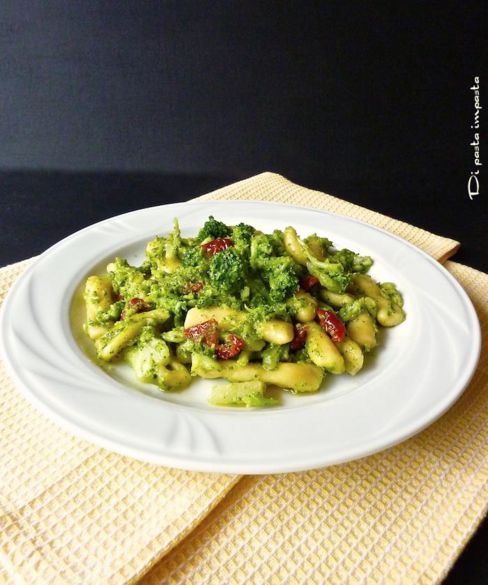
x=276, y=239
x=344, y=257
x=194, y=257
x=329, y=270
x=390, y=290
x=212, y=296
x=165, y=248
x=176, y=283
x=281, y=273
x=146, y=268
x=330, y=274
x=155, y=248
x=213, y=229
x=173, y=242
x=241, y=236
x=127, y=280
x=261, y=251
x=262, y=311
x=227, y=271
x=111, y=314
x=362, y=264
x=259, y=293
x=274, y=354
x=352, y=262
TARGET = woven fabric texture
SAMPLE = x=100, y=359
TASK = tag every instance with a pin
x=73, y=513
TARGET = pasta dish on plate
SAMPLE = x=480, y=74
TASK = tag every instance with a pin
x=262, y=311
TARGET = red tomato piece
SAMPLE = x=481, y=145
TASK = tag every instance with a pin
x=232, y=348
x=193, y=287
x=138, y=304
x=205, y=332
x=308, y=282
x=332, y=325
x=136, y=301
x=217, y=245
x=299, y=339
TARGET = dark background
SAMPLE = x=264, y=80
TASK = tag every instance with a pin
x=112, y=106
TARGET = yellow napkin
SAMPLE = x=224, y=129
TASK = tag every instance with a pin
x=74, y=513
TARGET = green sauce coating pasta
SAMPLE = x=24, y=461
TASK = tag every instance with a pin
x=235, y=303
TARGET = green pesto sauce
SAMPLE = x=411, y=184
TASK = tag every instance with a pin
x=253, y=274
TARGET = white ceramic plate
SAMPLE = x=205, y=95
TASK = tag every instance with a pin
x=420, y=369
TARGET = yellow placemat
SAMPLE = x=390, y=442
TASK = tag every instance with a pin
x=74, y=513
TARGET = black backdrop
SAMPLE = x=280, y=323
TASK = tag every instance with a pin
x=112, y=106
x=366, y=100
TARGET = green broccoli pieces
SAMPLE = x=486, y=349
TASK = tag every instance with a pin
x=276, y=239
x=352, y=310
x=241, y=236
x=390, y=290
x=227, y=271
x=127, y=280
x=194, y=256
x=362, y=264
x=274, y=354
x=332, y=267
x=261, y=251
x=352, y=262
x=111, y=314
x=330, y=274
x=213, y=229
x=281, y=273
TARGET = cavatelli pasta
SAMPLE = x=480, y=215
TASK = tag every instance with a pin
x=254, y=309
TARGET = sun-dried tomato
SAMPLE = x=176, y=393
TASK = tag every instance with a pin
x=217, y=245
x=299, y=339
x=193, y=287
x=308, y=282
x=137, y=301
x=139, y=305
x=332, y=325
x=205, y=332
x=231, y=348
